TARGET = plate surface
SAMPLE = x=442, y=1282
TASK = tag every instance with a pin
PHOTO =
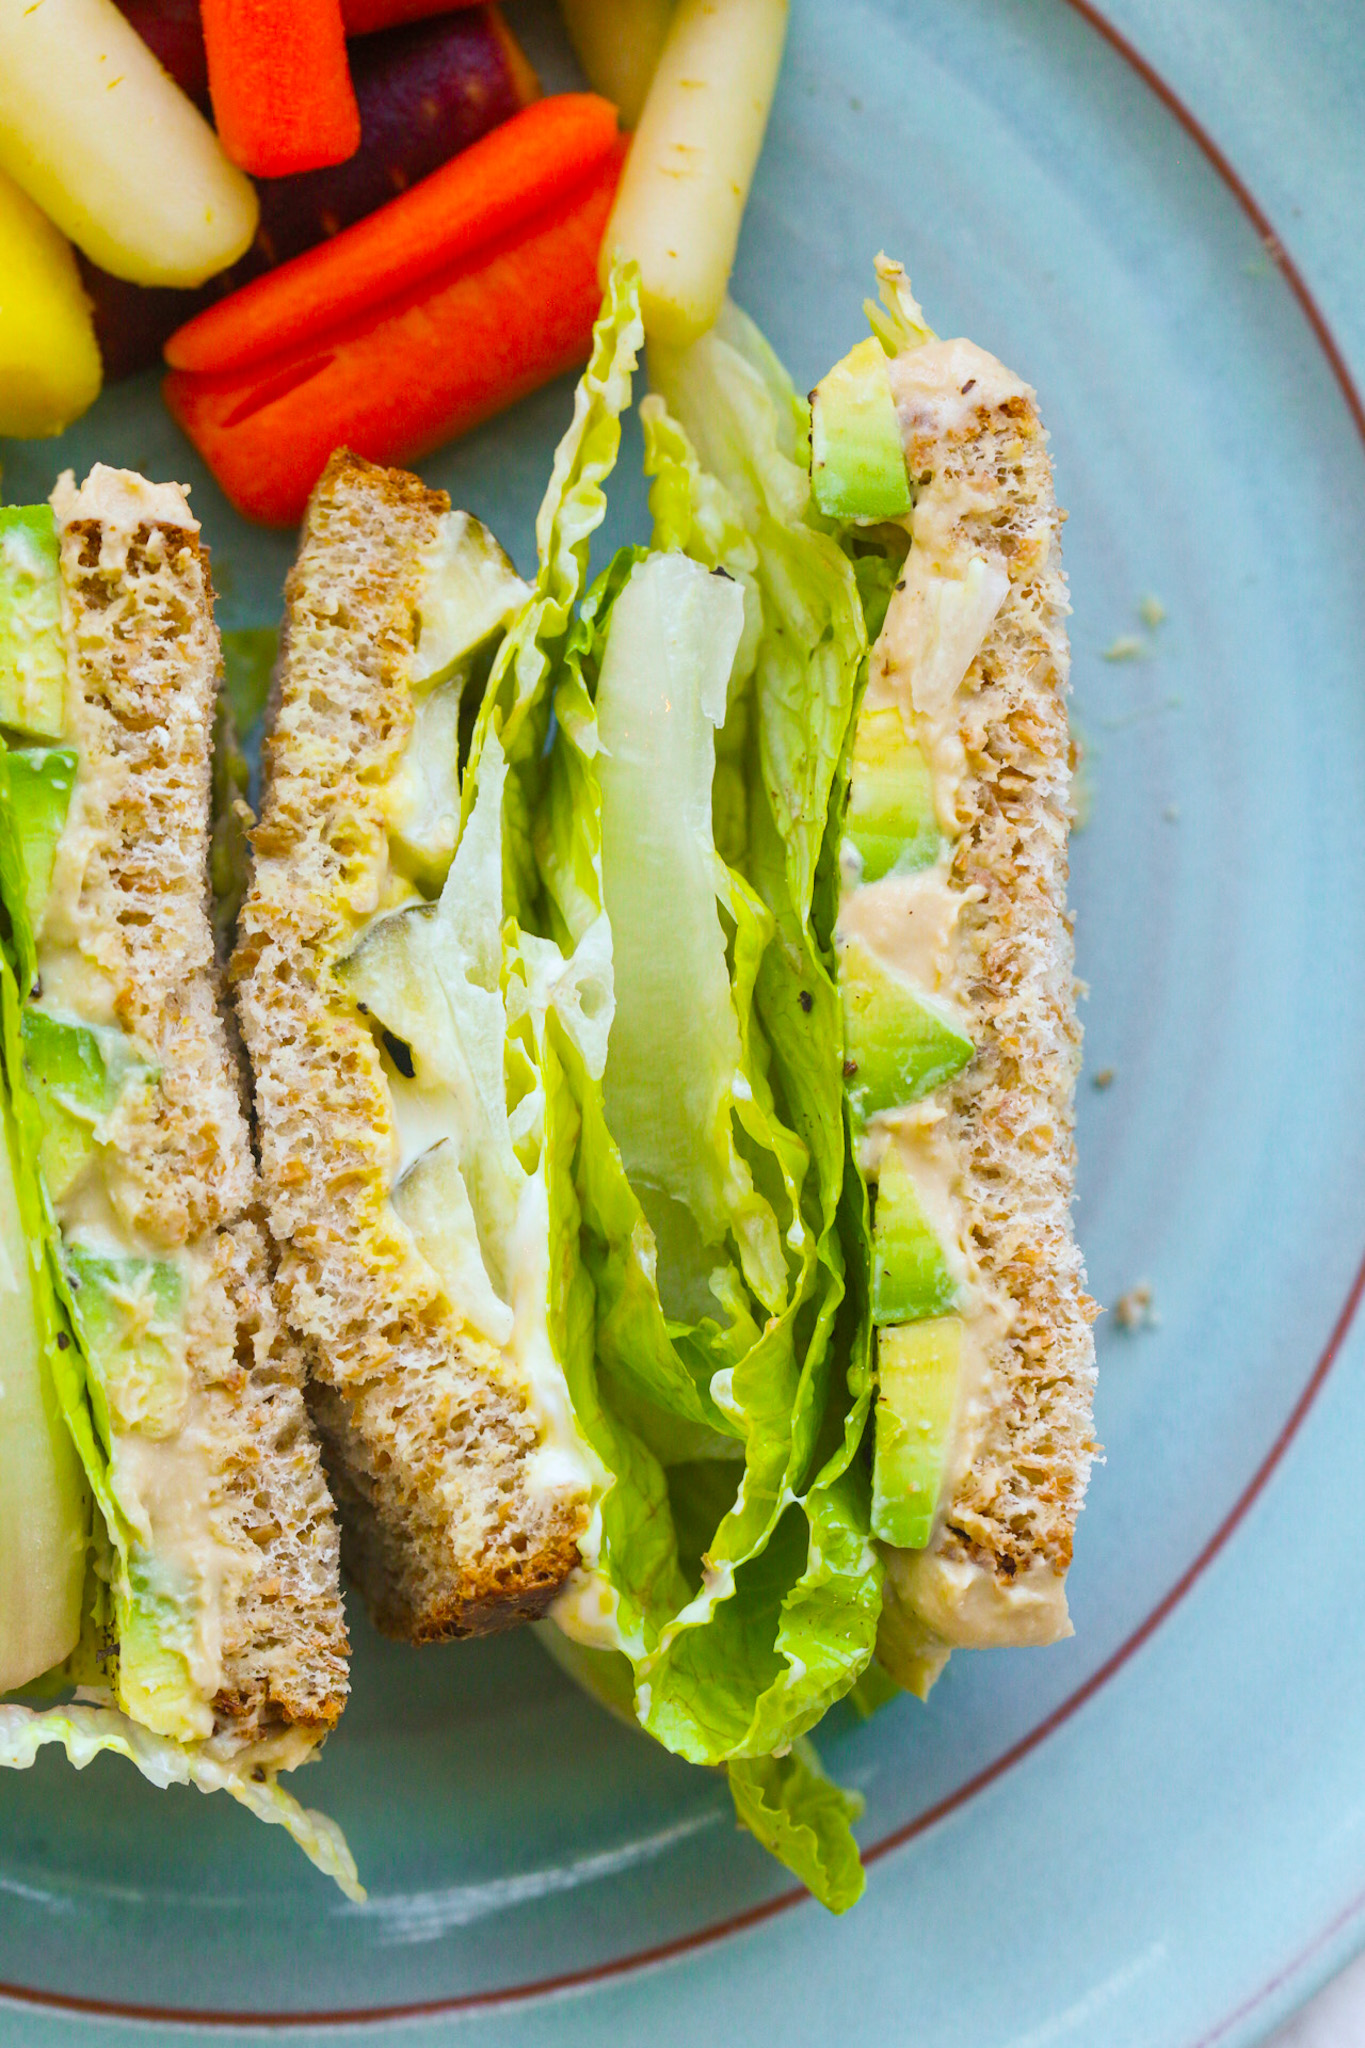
x=1155, y=1833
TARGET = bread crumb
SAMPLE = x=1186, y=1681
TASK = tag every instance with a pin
x=1104, y=1078
x=1082, y=780
x=1134, y=1310
x=1128, y=647
x=1172, y=814
x=1151, y=611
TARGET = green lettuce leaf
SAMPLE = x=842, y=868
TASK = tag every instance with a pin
x=805, y=1820
x=898, y=322
x=519, y=699
x=725, y=403
x=249, y=657
x=84, y=1730
x=733, y=1566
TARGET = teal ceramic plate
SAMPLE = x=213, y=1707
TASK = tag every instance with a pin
x=1154, y=1833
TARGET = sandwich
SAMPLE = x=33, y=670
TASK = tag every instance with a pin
x=552, y=970
x=954, y=954
x=169, y=1576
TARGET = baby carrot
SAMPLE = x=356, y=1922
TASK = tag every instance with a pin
x=398, y=383
x=279, y=82
x=488, y=190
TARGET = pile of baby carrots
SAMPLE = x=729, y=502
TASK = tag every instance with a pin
x=354, y=222
x=453, y=300
x=415, y=322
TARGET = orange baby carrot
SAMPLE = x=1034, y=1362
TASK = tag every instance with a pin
x=485, y=192
x=280, y=85
x=398, y=382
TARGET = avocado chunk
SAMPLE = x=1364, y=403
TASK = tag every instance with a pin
x=433, y=1201
x=32, y=651
x=469, y=590
x=891, y=818
x=898, y=1043
x=857, y=456
x=918, y=1368
x=76, y=1076
x=155, y=1617
x=41, y=780
x=910, y=1276
x=130, y=1317
x=423, y=800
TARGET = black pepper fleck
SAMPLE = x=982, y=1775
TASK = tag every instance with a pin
x=850, y=1068
x=807, y=1001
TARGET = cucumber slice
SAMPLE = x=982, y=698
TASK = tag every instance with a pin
x=423, y=800
x=388, y=975
x=469, y=591
x=433, y=1201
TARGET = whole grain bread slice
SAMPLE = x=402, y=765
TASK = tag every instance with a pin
x=429, y=1439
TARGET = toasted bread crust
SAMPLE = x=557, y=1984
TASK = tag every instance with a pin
x=428, y=1439
x=144, y=662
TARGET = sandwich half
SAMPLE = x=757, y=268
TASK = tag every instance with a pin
x=955, y=964
x=393, y=1186
x=556, y=1211
x=167, y=1538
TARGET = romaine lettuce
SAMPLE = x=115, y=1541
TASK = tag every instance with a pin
x=805, y=1820
x=84, y=1730
x=696, y=1269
